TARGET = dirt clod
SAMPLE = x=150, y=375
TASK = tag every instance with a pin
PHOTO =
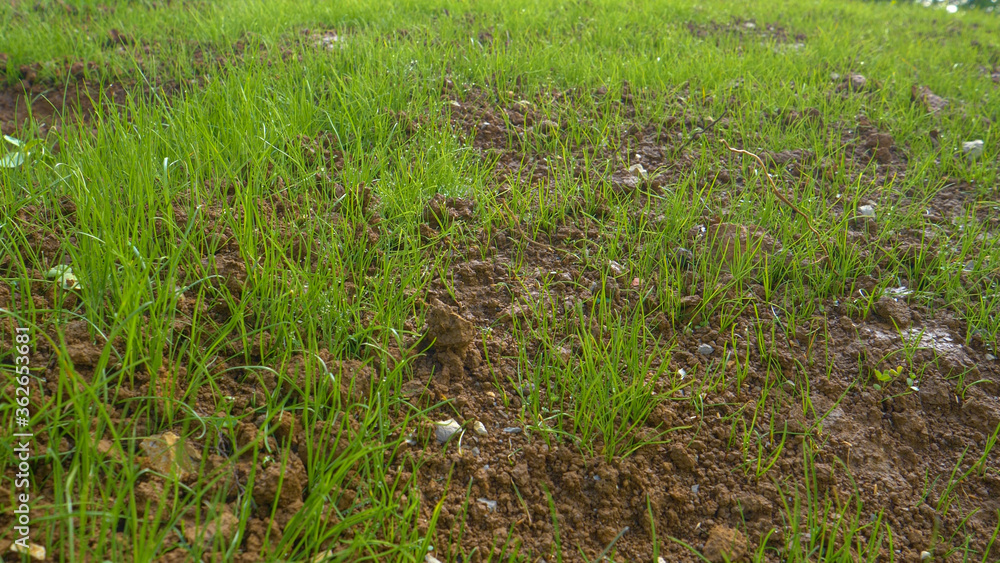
x=893, y=310
x=441, y=211
x=283, y=480
x=731, y=241
x=217, y=524
x=725, y=545
x=450, y=335
x=928, y=99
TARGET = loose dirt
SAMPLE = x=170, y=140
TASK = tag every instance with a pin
x=49, y=100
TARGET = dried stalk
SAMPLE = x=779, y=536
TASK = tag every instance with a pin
x=785, y=200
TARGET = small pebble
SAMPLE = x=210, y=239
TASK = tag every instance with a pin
x=705, y=349
x=867, y=211
x=548, y=126
x=512, y=430
x=491, y=505
x=925, y=556
x=638, y=171
x=990, y=357
x=479, y=428
x=431, y=559
x=694, y=489
x=973, y=149
x=475, y=451
x=445, y=429
x=615, y=268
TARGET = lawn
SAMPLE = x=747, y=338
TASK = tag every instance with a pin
x=499, y=281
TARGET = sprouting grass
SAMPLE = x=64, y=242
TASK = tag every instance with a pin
x=247, y=232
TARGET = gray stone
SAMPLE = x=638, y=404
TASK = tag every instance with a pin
x=973, y=149
x=445, y=429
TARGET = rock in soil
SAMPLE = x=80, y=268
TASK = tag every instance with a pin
x=724, y=544
x=705, y=349
x=973, y=149
x=479, y=428
x=445, y=429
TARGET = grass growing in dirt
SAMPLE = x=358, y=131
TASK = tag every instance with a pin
x=703, y=282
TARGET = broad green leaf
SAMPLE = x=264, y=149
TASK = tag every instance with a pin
x=883, y=377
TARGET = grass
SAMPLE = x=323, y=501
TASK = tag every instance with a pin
x=246, y=231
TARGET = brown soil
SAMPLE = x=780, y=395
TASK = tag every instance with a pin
x=878, y=446
x=49, y=100
x=745, y=29
x=58, y=91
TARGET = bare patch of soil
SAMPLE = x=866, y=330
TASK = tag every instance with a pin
x=746, y=29
x=698, y=486
x=50, y=101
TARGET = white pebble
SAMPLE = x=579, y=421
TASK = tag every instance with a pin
x=479, y=428
x=973, y=149
x=445, y=429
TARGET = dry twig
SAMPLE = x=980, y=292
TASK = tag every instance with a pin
x=785, y=200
